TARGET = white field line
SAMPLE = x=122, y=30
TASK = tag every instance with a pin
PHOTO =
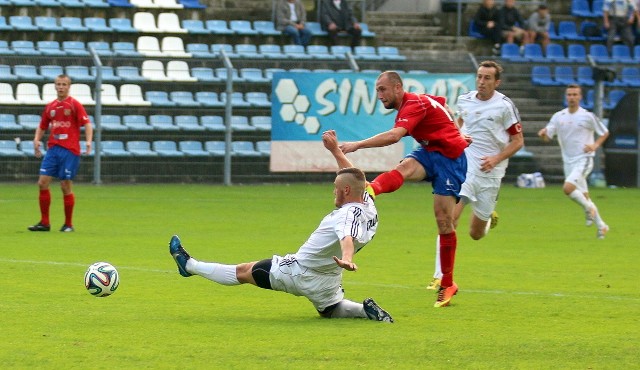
x=395, y=286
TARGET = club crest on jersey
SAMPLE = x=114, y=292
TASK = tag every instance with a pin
x=52, y=113
x=67, y=112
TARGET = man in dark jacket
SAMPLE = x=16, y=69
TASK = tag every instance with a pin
x=336, y=16
x=487, y=20
x=512, y=24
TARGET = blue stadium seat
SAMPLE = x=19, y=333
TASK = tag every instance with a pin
x=584, y=76
x=79, y=73
x=533, y=53
x=125, y=49
x=215, y=147
x=218, y=27
x=248, y=51
x=244, y=149
x=29, y=121
x=195, y=27
x=339, y=51
x=140, y=149
x=96, y=24
x=261, y=123
x=129, y=73
x=71, y=4
x=366, y=53
x=295, y=52
x=636, y=53
x=22, y=23
x=162, y=122
x=221, y=73
x=188, y=123
x=474, y=31
x=96, y=4
x=268, y=72
x=159, y=98
x=621, y=53
x=51, y=72
x=122, y=25
x=241, y=123
x=599, y=53
x=204, y=74
x=237, y=101
x=112, y=122
x=209, y=99
x=50, y=48
x=8, y=122
x=253, y=75
x=613, y=98
x=9, y=148
x=27, y=147
x=564, y=75
x=102, y=48
x=242, y=28
x=541, y=76
x=114, y=148
x=7, y=75
x=264, y=147
x=316, y=29
x=300, y=70
x=27, y=72
x=266, y=28
x=136, y=122
x=555, y=53
x=258, y=99
x=24, y=47
x=47, y=24
x=596, y=8
x=601, y=36
x=553, y=33
x=4, y=48
x=183, y=99
x=390, y=53
x=630, y=76
x=192, y=4
x=511, y=52
x=212, y=123
x=576, y=53
x=366, y=32
x=192, y=148
x=320, y=52
x=581, y=9
x=166, y=148
x=569, y=31
x=216, y=49
x=75, y=48
x=271, y=51
x=4, y=26
x=73, y=24
x=199, y=50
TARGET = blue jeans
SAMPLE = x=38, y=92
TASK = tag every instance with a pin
x=300, y=37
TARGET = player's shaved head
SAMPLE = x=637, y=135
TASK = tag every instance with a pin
x=392, y=77
x=349, y=185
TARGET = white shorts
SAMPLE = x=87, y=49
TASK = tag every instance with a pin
x=482, y=193
x=287, y=275
x=576, y=173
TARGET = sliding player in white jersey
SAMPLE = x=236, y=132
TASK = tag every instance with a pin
x=575, y=127
x=493, y=123
x=315, y=270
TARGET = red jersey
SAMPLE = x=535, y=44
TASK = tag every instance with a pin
x=65, y=119
x=426, y=119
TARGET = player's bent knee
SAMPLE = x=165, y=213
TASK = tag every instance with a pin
x=260, y=273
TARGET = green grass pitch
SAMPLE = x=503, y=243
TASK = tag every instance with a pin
x=540, y=292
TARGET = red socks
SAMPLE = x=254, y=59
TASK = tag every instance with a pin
x=448, y=243
x=45, y=202
x=387, y=182
x=69, y=202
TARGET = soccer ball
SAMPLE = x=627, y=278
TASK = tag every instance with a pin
x=101, y=279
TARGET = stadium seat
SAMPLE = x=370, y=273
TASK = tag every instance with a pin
x=71, y=4
x=295, y=52
x=300, y=70
x=114, y=148
x=217, y=49
x=8, y=122
x=27, y=72
x=192, y=4
x=320, y=52
x=97, y=24
x=221, y=73
x=564, y=75
x=188, y=123
x=45, y=23
x=170, y=23
x=555, y=53
x=474, y=31
x=4, y=26
x=261, y=123
x=28, y=149
x=268, y=72
x=585, y=26
x=125, y=49
x=630, y=76
x=248, y=51
x=136, y=122
x=366, y=53
x=533, y=53
x=390, y=53
x=241, y=123
x=120, y=3
x=266, y=28
x=244, y=149
x=145, y=22
x=212, y=123
x=596, y=8
x=140, y=149
x=102, y=48
x=541, y=76
x=174, y=47
x=599, y=53
x=258, y=99
x=264, y=147
x=209, y=99
x=581, y=9
x=166, y=148
x=316, y=29
x=366, y=32
x=178, y=70
x=195, y=27
x=112, y=122
x=204, y=74
x=192, y=148
x=339, y=51
x=569, y=31
x=553, y=33
x=49, y=92
x=199, y=50
x=132, y=95
x=82, y=93
x=576, y=53
x=253, y=75
x=22, y=23
x=162, y=122
x=73, y=24
x=122, y=25
x=218, y=27
x=75, y=48
x=215, y=148
x=28, y=93
x=109, y=95
x=636, y=53
x=511, y=52
x=96, y=3
x=129, y=73
x=621, y=54
x=184, y=99
x=149, y=46
x=159, y=98
x=108, y=74
x=79, y=74
x=7, y=75
x=584, y=76
x=242, y=28
x=6, y=94
x=271, y=51
x=9, y=148
x=237, y=101
x=144, y=4
x=29, y=121
x=153, y=70
x=4, y=48
x=613, y=98
x=24, y=47
x=168, y=4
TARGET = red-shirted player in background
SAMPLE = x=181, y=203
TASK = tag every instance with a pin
x=440, y=159
x=64, y=116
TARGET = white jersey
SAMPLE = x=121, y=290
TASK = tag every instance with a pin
x=487, y=122
x=358, y=220
x=574, y=131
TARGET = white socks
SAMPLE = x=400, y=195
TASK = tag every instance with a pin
x=579, y=198
x=348, y=309
x=221, y=274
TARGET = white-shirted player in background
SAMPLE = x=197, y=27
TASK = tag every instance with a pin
x=315, y=270
x=493, y=123
x=575, y=127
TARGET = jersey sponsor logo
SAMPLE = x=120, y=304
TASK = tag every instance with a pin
x=67, y=112
x=63, y=124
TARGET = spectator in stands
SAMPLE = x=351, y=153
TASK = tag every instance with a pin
x=487, y=21
x=336, y=16
x=512, y=24
x=538, y=26
x=291, y=17
x=618, y=16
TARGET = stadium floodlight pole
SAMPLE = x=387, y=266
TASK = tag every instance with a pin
x=97, y=113
x=227, y=118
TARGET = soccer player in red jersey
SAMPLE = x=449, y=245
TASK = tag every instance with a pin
x=64, y=117
x=440, y=159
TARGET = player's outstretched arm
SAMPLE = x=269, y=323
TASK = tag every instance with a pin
x=348, y=250
x=382, y=139
x=330, y=141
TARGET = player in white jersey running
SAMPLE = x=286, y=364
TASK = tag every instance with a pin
x=575, y=127
x=493, y=123
x=315, y=270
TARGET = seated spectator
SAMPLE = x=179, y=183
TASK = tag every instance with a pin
x=336, y=16
x=291, y=17
x=618, y=17
x=512, y=24
x=487, y=21
x=538, y=26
